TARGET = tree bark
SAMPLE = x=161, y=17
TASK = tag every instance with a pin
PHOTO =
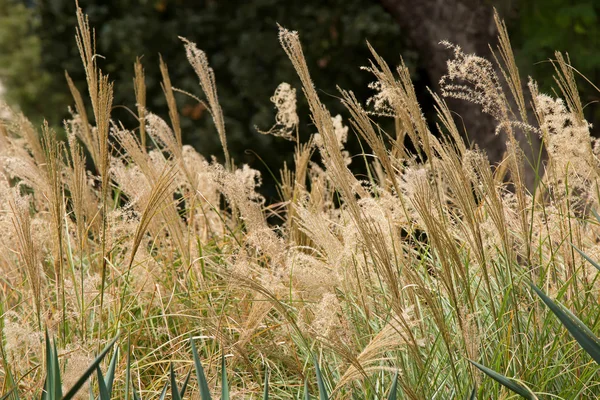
x=469, y=24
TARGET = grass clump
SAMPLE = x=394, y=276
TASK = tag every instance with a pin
x=420, y=268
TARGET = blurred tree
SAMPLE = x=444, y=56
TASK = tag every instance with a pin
x=467, y=23
x=545, y=26
x=21, y=70
x=537, y=29
x=240, y=38
x=241, y=42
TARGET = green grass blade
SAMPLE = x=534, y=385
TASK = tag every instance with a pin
x=104, y=393
x=174, y=389
x=71, y=393
x=56, y=374
x=57, y=377
x=53, y=385
x=306, y=392
x=594, y=263
x=11, y=392
x=266, y=385
x=49, y=386
x=595, y=214
x=135, y=395
x=185, y=384
x=128, y=368
x=224, y=383
x=473, y=395
x=584, y=336
x=506, y=382
x=163, y=394
x=394, y=390
x=110, y=373
x=323, y=395
x=202, y=384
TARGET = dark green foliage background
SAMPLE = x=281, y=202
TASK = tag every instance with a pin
x=540, y=27
x=240, y=38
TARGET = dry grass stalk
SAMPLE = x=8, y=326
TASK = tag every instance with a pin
x=199, y=61
x=171, y=102
x=85, y=133
x=511, y=74
x=373, y=355
x=101, y=96
x=54, y=169
x=139, y=86
x=397, y=98
x=565, y=78
x=28, y=251
x=158, y=198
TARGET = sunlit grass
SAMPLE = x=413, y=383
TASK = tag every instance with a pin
x=408, y=284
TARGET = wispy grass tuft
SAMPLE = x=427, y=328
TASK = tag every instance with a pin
x=422, y=268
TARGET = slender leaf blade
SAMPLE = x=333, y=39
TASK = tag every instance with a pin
x=104, y=393
x=594, y=263
x=266, y=385
x=200, y=377
x=394, y=389
x=185, y=384
x=224, y=383
x=9, y=393
x=306, y=391
x=163, y=394
x=110, y=373
x=135, y=395
x=174, y=389
x=73, y=391
x=595, y=214
x=506, y=382
x=473, y=395
x=128, y=368
x=323, y=395
x=56, y=375
x=580, y=332
x=53, y=384
x=49, y=386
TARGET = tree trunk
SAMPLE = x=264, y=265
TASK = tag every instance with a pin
x=469, y=24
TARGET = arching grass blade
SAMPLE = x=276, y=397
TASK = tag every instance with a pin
x=394, y=389
x=584, y=336
x=506, y=382
x=104, y=393
x=224, y=383
x=323, y=395
x=266, y=385
x=71, y=393
x=185, y=384
x=174, y=389
x=200, y=377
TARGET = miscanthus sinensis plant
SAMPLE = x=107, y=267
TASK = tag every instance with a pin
x=418, y=269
